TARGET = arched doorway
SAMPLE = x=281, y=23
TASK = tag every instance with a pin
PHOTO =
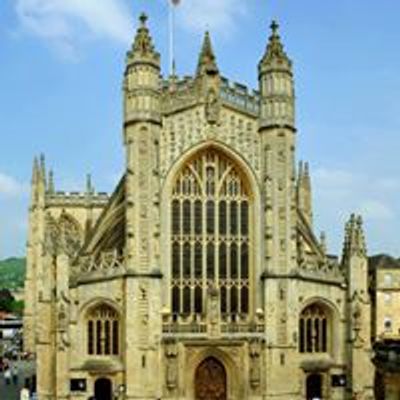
x=210, y=380
x=103, y=389
x=314, y=387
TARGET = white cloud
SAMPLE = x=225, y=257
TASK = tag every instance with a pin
x=216, y=15
x=10, y=187
x=375, y=210
x=340, y=192
x=65, y=22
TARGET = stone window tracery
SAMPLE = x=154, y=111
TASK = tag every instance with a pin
x=63, y=235
x=103, y=331
x=210, y=235
x=313, y=330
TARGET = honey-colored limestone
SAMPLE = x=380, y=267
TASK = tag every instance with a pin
x=200, y=277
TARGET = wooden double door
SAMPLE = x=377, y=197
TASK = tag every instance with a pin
x=210, y=380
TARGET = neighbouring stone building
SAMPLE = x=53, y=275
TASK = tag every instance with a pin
x=201, y=276
x=385, y=296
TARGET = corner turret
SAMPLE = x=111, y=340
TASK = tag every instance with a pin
x=355, y=267
x=142, y=79
x=276, y=85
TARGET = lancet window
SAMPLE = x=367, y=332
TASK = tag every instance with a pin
x=210, y=235
x=313, y=330
x=103, y=331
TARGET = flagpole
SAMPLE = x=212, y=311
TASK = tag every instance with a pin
x=171, y=38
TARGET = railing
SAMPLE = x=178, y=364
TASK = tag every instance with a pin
x=197, y=325
x=105, y=264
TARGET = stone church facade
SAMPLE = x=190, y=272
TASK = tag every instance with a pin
x=201, y=276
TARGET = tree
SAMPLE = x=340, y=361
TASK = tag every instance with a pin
x=6, y=300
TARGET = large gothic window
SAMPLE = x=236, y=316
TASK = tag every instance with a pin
x=103, y=331
x=313, y=330
x=210, y=235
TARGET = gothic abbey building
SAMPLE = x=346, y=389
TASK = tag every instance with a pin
x=200, y=277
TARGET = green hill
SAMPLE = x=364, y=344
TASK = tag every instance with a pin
x=12, y=273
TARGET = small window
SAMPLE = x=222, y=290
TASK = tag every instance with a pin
x=388, y=280
x=388, y=298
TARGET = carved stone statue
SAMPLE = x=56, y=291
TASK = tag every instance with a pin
x=212, y=107
x=171, y=354
x=255, y=371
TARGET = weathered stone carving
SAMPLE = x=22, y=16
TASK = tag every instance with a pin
x=255, y=367
x=171, y=354
x=213, y=107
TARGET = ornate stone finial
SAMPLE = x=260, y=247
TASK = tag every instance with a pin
x=207, y=61
x=143, y=19
x=274, y=28
x=35, y=171
x=275, y=56
x=42, y=169
x=89, y=186
x=354, y=242
x=50, y=187
x=143, y=50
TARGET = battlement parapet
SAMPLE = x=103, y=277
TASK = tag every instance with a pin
x=240, y=96
x=234, y=94
x=60, y=198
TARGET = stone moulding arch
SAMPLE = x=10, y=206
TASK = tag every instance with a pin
x=83, y=314
x=98, y=301
x=328, y=304
x=257, y=223
x=233, y=372
x=334, y=316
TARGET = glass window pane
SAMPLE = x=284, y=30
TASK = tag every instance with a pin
x=224, y=306
x=309, y=336
x=301, y=336
x=176, y=261
x=175, y=300
x=186, y=260
x=244, y=218
x=244, y=300
x=198, y=214
x=222, y=218
x=244, y=254
x=234, y=300
x=107, y=334
x=198, y=261
x=210, y=261
x=198, y=300
x=186, y=300
x=234, y=261
x=210, y=181
x=324, y=336
x=115, y=338
x=317, y=335
x=222, y=261
x=176, y=217
x=98, y=338
x=186, y=217
x=210, y=217
x=234, y=219
x=90, y=337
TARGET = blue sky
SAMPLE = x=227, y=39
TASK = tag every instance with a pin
x=61, y=65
